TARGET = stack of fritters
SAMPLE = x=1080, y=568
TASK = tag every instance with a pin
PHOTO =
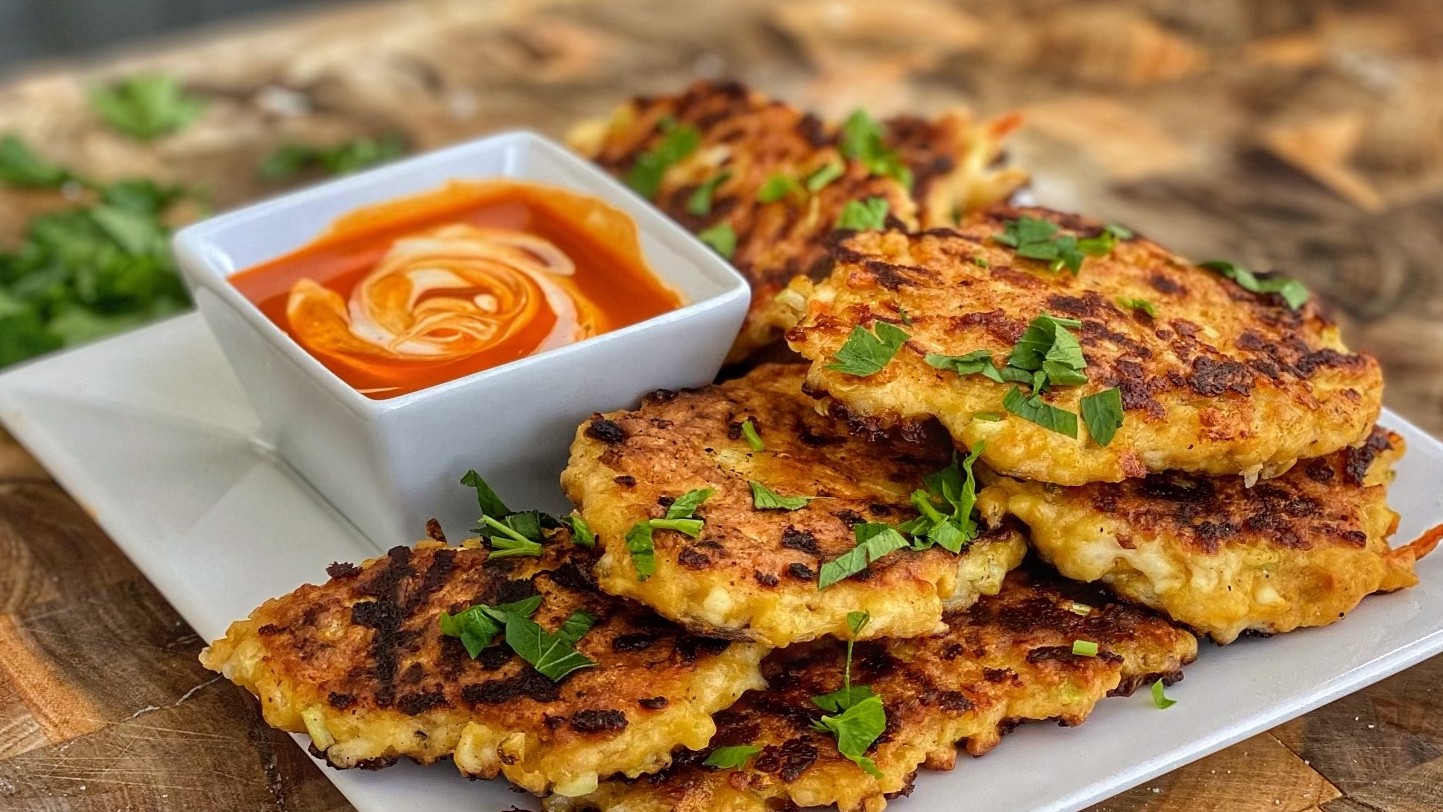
x=747, y=557
x=1244, y=488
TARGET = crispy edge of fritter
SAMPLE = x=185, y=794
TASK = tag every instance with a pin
x=906, y=592
x=1280, y=569
x=953, y=158
x=1216, y=415
x=1006, y=660
x=347, y=735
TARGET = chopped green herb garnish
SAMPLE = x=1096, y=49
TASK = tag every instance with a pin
x=873, y=542
x=477, y=626
x=553, y=654
x=780, y=187
x=1102, y=414
x=1038, y=239
x=721, y=238
x=732, y=756
x=486, y=498
x=1137, y=304
x=508, y=533
x=1044, y=414
x=865, y=353
x=1084, y=648
x=764, y=498
x=981, y=261
x=864, y=215
x=289, y=160
x=904, y=316
x=679, y=517
x=863, y=140
x=507, y=541
x=1048, y=347
x=945, y=506
x=978, y=362
x=856, y=715
x=1292, y=291
x=987, y=417
x=749, y=432
x=700, y=201
x=677, y=142
x=1104, y=242
x=823, y=177
x=1080, y=609
x=1159, y=698
x=22, y=168
x=146, y=107
x=581, y=533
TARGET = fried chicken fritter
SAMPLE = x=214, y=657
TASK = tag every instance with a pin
x=1006, y=659
x=1298, y=550
x=753, y=573
x=361, y=665
x=1220, y=381
x=749, y=139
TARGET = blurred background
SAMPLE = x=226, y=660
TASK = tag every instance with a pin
x=1304, y=136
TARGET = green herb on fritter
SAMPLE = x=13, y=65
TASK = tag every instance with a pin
x=1102, y=413
x=680, y=517
x=864, y=140
x=1033, y=408
x=945, y=506
x=1039, y=240
x=856, y=715
x=873, y=542
x=553, y=654
x=1292, y=291
x=478, y=625
x=749, y=432
x=677, y=142
x=1084, y=648
x=290, y=160
x=721, y=238
x=866, y=352
x=824, y=175
x=864, y=215
x=146, y=107
x=699, y=203
x=781, y=187
x=1138, y=304
x=764, y=498
x=731, y=757
x=581, y=533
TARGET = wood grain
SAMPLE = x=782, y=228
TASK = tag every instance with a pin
x=1293, y=135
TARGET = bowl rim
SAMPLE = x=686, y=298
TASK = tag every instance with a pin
x=197, y=246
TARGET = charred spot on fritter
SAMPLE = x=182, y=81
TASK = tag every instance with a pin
x=607, y=431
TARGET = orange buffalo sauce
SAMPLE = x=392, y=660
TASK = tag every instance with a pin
x=401, y=296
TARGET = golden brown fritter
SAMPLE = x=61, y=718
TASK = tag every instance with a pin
x=1220, y=381
x=1006, y=659
x=360, y=664
x=1301, y=549
x=750, y=138
x=753, y=574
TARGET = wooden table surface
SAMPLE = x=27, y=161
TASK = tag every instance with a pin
x=1305, y=136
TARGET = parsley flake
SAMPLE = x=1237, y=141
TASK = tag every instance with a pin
x=581, y=533
x=22, y=168
x=823, y=177
x=680, y=517
x=865, y=353
x=553, y=654
x=1044, y=414
x=699, y=203
x=1292, y=291
x=780, y=187
x=1137, y=304
x=749, y=432
x=864, y=140
x=477, y=626
x=732, y=756
x=864, y=215
x=677, y=142
x=945, y=506
x=721, y=238
x=1102, y=414
x=1038, y=239
x=146, y=107
x=507, y=532
x=764, y=498
x=873, y=542
x=856, y=715
x=1159, y=697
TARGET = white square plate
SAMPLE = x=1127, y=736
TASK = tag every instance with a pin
x=151, y=432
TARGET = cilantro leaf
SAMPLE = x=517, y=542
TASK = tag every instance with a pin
x=289, y=160
x=749, y=432
x=764, y=498
x=685, y=505
x=732, y=756
x=780, y=187
x=721, y=238
x=677, y=142
x=1044, y=414
x=1038, y=239
x=978, y=362
x=873, y=542
x=22, y=168
x=1102, y=414
x=486, y=498
x=581, y=533
x=1137, y=304
x=643, y=550
x=1159, y=697
x=863, y=139
x=146, y=107
x=824, y=175
x=864, y=215
x=1292, y=291
x=865, y=353
x=699, y=203
x=857, y=728
x=478, y=625
x=553, y=654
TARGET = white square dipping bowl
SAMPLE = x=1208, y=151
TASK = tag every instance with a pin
x=389, y=465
